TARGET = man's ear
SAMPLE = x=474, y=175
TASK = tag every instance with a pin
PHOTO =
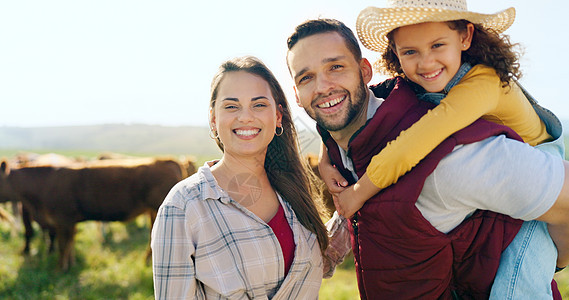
x=296, y=96
x=367, y=70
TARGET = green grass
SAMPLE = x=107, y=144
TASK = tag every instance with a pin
x=110, y=267
x=113, y=267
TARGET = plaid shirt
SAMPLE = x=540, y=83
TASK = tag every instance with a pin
x=206, y=245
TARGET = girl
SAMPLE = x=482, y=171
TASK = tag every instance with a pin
x=245, y=226
x=470, y=65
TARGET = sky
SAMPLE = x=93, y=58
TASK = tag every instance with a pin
x=77, y=62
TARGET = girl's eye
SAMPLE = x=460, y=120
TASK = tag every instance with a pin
x=409, y=52
x=438, y=45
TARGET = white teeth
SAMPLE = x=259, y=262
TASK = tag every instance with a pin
x=331, y=103
x=247, y=132
x=432, y=75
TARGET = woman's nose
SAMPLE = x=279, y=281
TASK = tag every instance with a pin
x=245, y=115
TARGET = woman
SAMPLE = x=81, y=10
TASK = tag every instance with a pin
x=245, y=226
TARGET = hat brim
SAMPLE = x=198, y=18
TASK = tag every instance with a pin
x=373, y=24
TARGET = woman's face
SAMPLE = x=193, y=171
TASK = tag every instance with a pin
x=245, y=114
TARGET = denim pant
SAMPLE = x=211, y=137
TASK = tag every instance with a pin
x=527, y=265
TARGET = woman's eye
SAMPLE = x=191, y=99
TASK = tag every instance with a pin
x=231, y=106
x=260, y=105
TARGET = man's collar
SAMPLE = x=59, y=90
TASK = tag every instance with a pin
x=372, y=104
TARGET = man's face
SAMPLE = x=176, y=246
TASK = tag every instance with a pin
x=330, y=84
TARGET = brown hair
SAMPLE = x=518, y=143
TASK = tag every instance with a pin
x=487, y=48
x=317, y=26
x=288, y=174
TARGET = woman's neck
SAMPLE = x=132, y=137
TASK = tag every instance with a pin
x=246, y=182
x=231, y=165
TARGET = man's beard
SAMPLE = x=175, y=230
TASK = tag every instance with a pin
x=354, y=107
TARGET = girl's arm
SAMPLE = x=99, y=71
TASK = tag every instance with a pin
x=472, y=98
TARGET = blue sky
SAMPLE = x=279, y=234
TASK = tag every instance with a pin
x=136, y=61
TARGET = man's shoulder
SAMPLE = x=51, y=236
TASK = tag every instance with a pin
x=384, y=88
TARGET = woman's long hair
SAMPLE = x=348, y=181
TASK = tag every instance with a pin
x=488, y=48
x=288, y=174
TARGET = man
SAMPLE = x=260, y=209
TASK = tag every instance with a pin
x=397, y=252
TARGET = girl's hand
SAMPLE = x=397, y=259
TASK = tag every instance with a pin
x=347, y=202
x=335, y=182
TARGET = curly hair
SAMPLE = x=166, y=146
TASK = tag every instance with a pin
x=488, y=48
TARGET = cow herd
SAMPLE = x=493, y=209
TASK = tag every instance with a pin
x=58, y=192
x=57, y=197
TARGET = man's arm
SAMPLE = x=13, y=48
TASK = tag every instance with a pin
x=508, y=177
x=559, y=212
x=558, y=219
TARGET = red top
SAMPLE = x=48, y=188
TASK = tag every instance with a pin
x=284, y=234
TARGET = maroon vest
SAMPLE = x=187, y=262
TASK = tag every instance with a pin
x=398, y=253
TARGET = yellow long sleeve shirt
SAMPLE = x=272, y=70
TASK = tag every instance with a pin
x=478, y=94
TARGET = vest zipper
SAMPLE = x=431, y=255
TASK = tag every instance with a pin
x=355, y=225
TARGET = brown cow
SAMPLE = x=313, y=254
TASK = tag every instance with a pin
x=58, y=198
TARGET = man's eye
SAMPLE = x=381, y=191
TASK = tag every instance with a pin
x=304, y=78
x=336, y=67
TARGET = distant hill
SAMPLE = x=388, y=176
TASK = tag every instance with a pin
x=135, y=139
x=138, y=138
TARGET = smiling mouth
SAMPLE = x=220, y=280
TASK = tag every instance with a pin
x=432, y=74
x=331, y=103
x=246, y=133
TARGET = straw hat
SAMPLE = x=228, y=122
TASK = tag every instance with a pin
x=375, y=23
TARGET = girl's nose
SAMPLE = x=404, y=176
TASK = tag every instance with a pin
x=426, y=61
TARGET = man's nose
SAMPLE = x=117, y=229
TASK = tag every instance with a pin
x=324, y=84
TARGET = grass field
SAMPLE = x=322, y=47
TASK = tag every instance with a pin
x=110, y=267
x=113, y=267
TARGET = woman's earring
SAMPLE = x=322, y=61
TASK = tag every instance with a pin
x=213, y=134
x=277, y=131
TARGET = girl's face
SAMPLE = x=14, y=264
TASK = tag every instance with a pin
x=430, y=53
x=245, y=114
